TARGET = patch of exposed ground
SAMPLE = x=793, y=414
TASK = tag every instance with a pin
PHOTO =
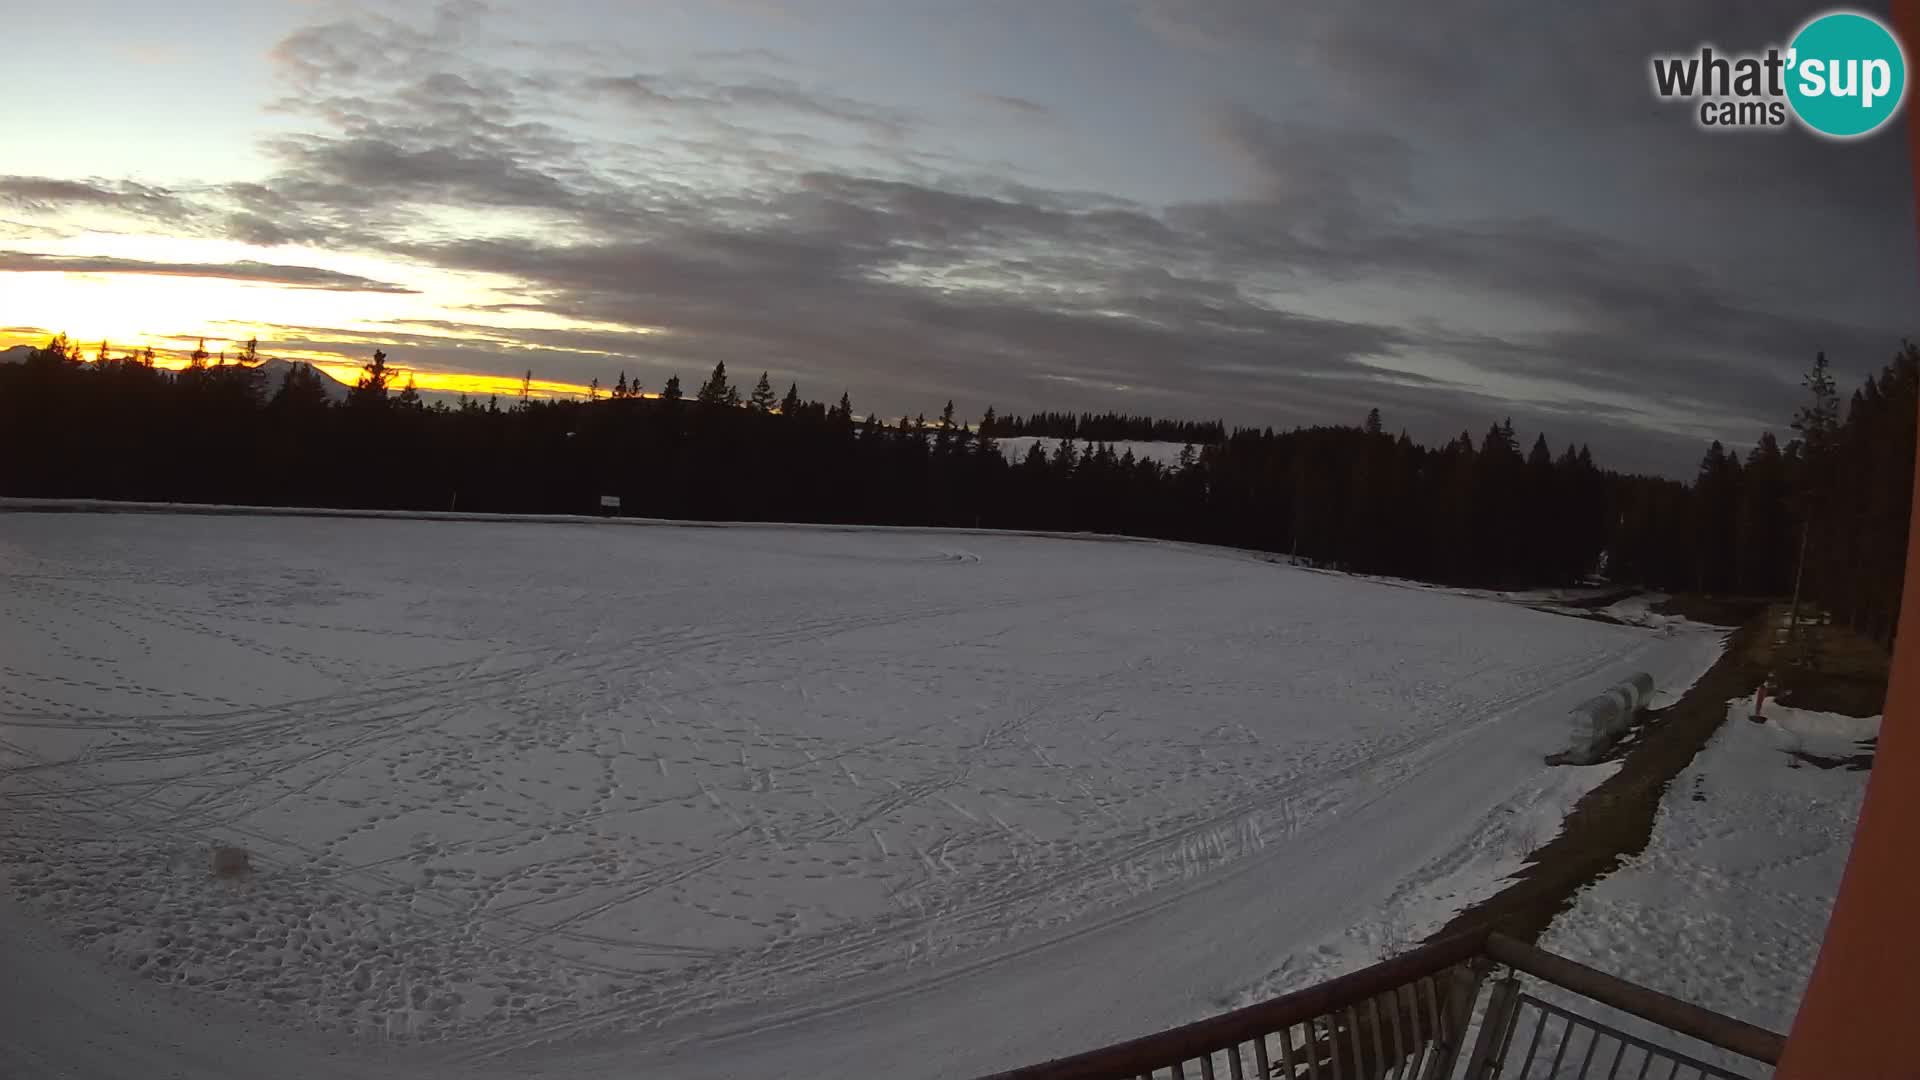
x=1615, y=819
x=1831, y=669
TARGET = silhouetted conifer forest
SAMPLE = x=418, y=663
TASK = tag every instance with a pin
x=1483, y=511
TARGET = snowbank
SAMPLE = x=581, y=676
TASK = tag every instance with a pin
x=1818, y=732
x=1727, y=905
x=1638, y=611
x=1597, y=723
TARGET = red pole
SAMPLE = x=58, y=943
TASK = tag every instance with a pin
x=1857, y=1018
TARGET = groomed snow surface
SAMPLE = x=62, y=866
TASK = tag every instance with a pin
x=574, y=800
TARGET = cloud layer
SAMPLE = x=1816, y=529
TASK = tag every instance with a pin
x=1448, y=239
x=295, y=277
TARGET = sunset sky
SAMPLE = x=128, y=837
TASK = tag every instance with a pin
x=1272, y=213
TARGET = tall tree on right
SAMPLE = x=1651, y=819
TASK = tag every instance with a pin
x=1765, y=555
x=1818, y=421
x=1715, y=532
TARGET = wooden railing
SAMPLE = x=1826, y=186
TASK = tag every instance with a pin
x=1414, y=1016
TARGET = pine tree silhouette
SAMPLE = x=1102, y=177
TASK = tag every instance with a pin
x=371, y=390
x=300, y=391
x=717, y=391
x=984, y=444
x=762, y=400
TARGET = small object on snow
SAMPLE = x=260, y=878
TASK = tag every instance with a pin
x=1760, y=700
x=230, y=862
x=1599, y=723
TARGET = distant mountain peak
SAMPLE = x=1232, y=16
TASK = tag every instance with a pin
x=276, y=370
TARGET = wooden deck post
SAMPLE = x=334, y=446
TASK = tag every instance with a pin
x=1857, y=1018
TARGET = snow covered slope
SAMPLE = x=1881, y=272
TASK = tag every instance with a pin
x=1727, y=906
x=578, y=800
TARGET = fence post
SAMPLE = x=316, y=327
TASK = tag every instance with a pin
x=1501, y=1001
x=1465, y=989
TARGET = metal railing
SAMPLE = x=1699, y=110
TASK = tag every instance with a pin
x=1412, y=1017
x=1580, y=1046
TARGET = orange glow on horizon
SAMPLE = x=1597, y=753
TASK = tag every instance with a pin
x=175, y=354
x=456, y=382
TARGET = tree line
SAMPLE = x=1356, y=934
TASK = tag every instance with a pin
x=1104, y=427
x=1825, y=516
x=1490, y=511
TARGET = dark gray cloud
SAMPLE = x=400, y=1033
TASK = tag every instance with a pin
x=714, y=99
x=757, y=57
x=1025, y=107
x=1551, y=65
x=1550, y=104
x=839, y=307
x=41, y=194
x=373, y=170
x=298, y=277
x=1324, y=177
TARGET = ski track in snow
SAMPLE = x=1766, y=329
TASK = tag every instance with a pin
x=507, y=786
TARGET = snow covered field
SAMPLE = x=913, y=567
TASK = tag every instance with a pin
x=581, y=800
x=1727, y=906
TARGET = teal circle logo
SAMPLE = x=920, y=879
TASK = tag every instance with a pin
x=1846, y=74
